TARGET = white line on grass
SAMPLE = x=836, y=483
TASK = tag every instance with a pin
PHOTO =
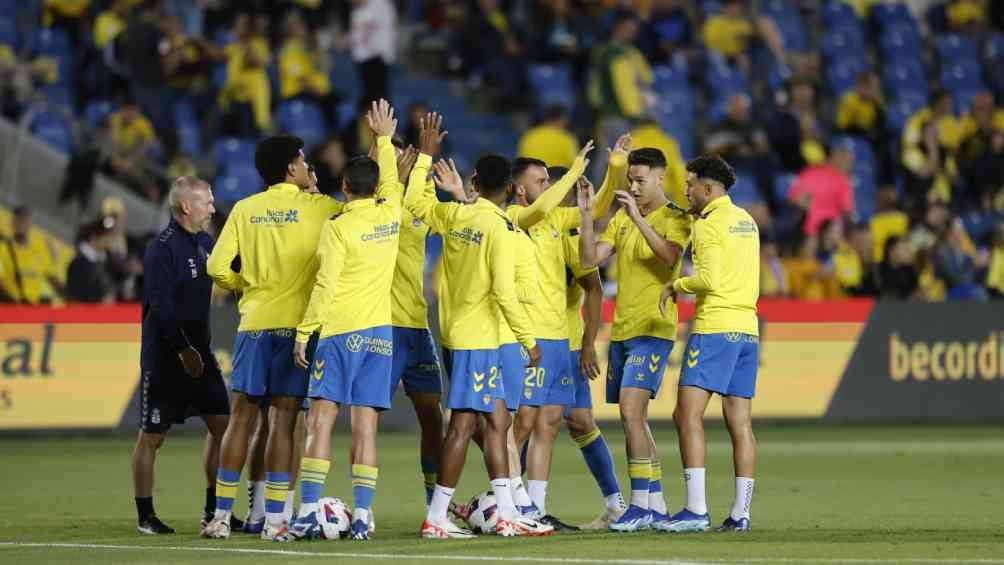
x=527, y=559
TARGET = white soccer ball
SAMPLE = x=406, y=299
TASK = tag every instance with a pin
x=335, y=518
x=483, y=513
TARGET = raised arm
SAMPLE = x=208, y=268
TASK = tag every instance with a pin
x=615, y=176
x=552, y=197
x=224, y=252
x=591, y=252
x=419, y=201
x=383, y=123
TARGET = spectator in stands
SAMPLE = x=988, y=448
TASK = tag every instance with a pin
x=303, y=68
x=930, y=139
x=88, y=278
x=861, y=240
x=889, y=220
x=796, y=134
x=808, y=278
x=68, y=15
x=110, y=23
x=955, y=263
x=649, y=134
x=373, y=35
x=140, y=51
x=967, y=16
x=188, y=60
x=773, y=276
x=131, y=137
x=247, y=86
x=328, y=160
x=561, y=34
x=840, y=257
x=981, y=151
x=898, y=273
x=667, y=32
x=825, y=191
x=995, y=271
x=730, y=33
x=27, y=270
x=739, y=139
x=550, y=141
x=862, y=109
x=619, y=79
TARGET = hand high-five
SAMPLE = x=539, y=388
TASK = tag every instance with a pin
x=430, y=133
x=381, y=118
x=622, y=146
x=447, y=177
x=405, y=162
x=586, y=149
x=585, y=190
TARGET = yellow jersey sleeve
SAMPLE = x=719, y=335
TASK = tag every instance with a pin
x=609, y=235
x=707, y=261
x=527, y=217
x=331, y=253
x=389, y=186
x=502, y=262
x=423, y=204
x=224, y=252
x=614, y=179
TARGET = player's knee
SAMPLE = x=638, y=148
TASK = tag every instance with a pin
x=151, y=441
x=579, y=426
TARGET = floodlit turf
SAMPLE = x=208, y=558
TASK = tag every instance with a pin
x=872, y=494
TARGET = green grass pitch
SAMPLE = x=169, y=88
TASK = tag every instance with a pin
x=824, y=495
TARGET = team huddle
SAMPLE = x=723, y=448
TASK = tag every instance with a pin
x=334, y=316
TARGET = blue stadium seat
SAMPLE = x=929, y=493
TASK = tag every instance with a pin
x=553, y=85
x=53, y=130
x=841, y=41
x=901, y=41
x=961, y=74
x=669, y=77
x=962, y=98
x=97, y=111
x=886, y=13
x=744, y=191
x=865, y=183
x=954, y=46
x=841, y=75
x=236, y=183
x=899, y=110
x=724, y=80
x=304, y=119
x=995, y=47
x=233, y=151
x=8, y=32
x=905, y=74
x=782, y=186
x=188, y=127
x=838, y=12
x=49, y=41
x=864, y=156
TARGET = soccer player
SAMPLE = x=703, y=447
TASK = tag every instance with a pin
x=478, y=267
x=585, y=287
x=350, y=304
x=723, y=349
x=275, y=234
x=180, y=374
x=648, y=238
x=415, y=363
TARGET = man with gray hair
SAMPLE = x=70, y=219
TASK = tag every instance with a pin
x=180, y=376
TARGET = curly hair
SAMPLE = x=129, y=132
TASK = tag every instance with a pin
x=713, y=167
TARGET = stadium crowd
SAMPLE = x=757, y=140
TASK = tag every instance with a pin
x=869, y=142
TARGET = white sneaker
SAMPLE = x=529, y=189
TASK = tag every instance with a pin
x=217, y=528
x=522, y=526
x=277, y=533
x=444, y=530
x=603, y=521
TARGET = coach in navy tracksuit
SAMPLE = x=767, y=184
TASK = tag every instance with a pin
x=180, y=377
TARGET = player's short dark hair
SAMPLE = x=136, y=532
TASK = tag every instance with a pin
x=274, y=155
x=648, y=156
x=713, y=167
x=521, y=164
x=493, y=174
x=361, y=176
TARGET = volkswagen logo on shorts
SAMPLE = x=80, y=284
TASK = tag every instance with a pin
x=354, y=342
x=523, y=352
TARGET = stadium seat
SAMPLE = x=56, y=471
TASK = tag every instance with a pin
x=724, y=80
x=744, y=191
x=304, y=119
x=782, y=185
x=904, y=75
x=900, y=41
x=962, y=98
x=552, y=85
x=233, y=151
x=8, y=32
x=865, y=190
x=188, y=127
x=236, y=183
x=995, y=47
x=53, y=130
x=887, y=13
x=954, y=47
x=839, y=41
x=899, y=110
x=97, y=111
x=837, y=12
x=864, y=156
x=841, y=75
x=961, y=74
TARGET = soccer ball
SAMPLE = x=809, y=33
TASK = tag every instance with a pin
x=336, y=518
x=482, y=513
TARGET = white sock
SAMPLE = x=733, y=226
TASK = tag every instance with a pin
x=744, y=497
x=222, y=515
x=307, y=507
x=361, y=514
x=275, y=518
x=287, y=510
x=503, y=497
x=639, y=498
x=441, y=497
x=656, y=502
x=538, y=494
x=257, y=500
x=519, y=494
x=615, y=501
x=696, y=502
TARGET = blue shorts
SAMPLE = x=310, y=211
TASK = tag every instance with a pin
x=475, y=381
x=725, y=363
x=512, y=364
x=639, y=362
x=263, y=364
x=415, y=362
x=353, y=368
x=583, y=397
x=550, y=383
